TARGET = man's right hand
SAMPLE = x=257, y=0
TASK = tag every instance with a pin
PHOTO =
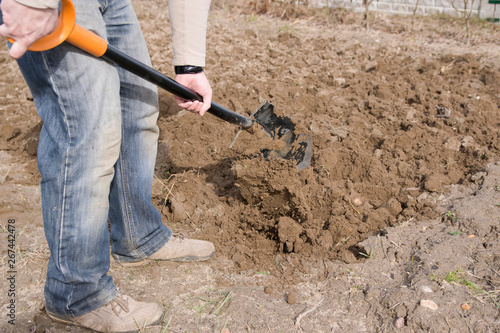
x=25, y=25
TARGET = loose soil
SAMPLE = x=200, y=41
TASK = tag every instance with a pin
x=400, y=205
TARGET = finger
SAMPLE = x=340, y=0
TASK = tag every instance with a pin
x=207, y=103
x=17, y=50
x=195, y=107
x=191, y=106
x=182, y=102
x=185, y=104
x=4, y=30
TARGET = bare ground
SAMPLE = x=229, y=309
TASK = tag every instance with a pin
x=400, y=204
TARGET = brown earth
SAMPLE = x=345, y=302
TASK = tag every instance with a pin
x=401, y=202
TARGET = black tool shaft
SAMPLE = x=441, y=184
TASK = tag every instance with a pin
x=138, y=68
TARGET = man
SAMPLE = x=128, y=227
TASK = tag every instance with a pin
x=97, y=153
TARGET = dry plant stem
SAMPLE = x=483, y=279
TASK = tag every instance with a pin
x=367, y=4
x=480, y=278
x=354, y=208
x=5, y=177
x=392, y=307
x=226, y=298
x=414, y=14
x=329, y=12
x=170, y=193
x=165, y=186
x=466, y=13
x=303, y=314
x=167, y=325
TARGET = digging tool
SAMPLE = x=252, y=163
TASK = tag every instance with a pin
x=297, y=147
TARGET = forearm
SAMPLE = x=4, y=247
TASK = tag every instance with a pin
x=188, y=19
x=42, y=4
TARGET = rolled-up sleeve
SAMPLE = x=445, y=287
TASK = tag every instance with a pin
x=43, y=4
x=188, y=19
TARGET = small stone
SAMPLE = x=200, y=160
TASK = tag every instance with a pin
x=394, y=206
x=468, y=141
x=31, y=146
x=465, y=306
x=339, y=81
x=357, y=202
x=370, y=66
x=426, y=289
x=434, y=183
x=428, y=304
x=291, y=298
x=268, y=290
x=400, y=322
x=452, y=144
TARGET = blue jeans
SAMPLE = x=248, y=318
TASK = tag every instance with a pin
x=96, y=156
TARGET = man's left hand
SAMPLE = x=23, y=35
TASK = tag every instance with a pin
x=198, y=83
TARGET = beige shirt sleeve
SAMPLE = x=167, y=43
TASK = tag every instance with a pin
x=188, y=19
x=40, y=3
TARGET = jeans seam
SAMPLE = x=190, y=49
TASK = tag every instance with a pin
x=66, y=162
x=70, y=296
x=63, y=204
x=128, y=207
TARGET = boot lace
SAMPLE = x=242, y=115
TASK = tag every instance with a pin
x=119, y=304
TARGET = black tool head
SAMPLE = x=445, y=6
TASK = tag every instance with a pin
x=298, y=147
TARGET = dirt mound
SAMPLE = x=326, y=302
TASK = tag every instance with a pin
x=392, y=129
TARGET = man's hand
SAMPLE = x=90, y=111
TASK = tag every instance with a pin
x=25, y=25
x=198, y=83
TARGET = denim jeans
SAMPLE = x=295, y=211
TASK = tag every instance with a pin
x=96, y=156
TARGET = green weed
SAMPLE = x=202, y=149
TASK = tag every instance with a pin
x=215, y=303
x=372, y=254
x=457, y=277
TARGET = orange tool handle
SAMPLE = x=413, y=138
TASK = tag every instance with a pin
x=70, y=32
